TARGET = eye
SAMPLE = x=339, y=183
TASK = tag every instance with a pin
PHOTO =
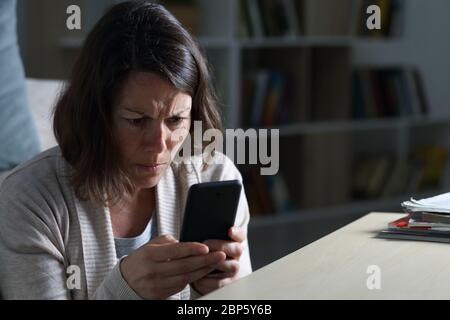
x=137, y=122
x=175, y=120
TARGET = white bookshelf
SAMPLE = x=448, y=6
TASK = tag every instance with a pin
x=400, y=132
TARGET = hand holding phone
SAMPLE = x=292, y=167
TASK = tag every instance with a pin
x=210, y=212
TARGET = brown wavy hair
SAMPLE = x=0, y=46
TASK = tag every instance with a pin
x=132, y=36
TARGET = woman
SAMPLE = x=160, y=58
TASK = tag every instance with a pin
x=76, y=220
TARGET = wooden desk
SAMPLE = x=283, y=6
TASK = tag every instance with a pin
x=335, y=267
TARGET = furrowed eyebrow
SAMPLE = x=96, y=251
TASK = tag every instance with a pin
x=144, y=114
x=180, y=112
x=135, y=111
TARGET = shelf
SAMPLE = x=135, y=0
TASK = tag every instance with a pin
x=215, y=42
x=425, y=121
x=75, y=42
x=288, y=42
x=71, y=42
x=340, y=126
x=357, y=125
x=316, y=41
x=362, y=207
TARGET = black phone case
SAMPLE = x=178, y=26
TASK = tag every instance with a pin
x=210, y=210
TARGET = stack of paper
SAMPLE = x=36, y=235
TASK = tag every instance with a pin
x=439, y=204
x=426, y=219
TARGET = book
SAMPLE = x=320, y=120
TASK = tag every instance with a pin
x=415, y=236
x=430, y=217
x=292, y=18
x=279, y=193
x=261, y=85
x=268, y=98
x=397, y=18
x=386, y=175
x=254, y=14
x=245, y=27
x=272, y=99
x=266, y=194
x=407, y=228
x=269, y=18
x=429, y=225
x=388, y=92
x=370, y=175
x=433, y=160
x=407, y=224
x=413, y=91
x=327, y=18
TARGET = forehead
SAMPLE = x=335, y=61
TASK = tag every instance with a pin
x=149, y=92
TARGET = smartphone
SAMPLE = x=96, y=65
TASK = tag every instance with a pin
x=210, y=210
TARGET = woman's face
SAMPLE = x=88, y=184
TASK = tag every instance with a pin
x=151, y=121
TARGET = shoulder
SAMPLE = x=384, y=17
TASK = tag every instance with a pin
x=34, y=189
x=41, y=169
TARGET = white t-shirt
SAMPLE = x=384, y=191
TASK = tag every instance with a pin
x=124, y=246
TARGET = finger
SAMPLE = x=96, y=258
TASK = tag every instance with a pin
x=220, y=275
x=237, y=234
x=230, y=267
x=190, y=264
x=166, y=238
x=231, y=249
x=210, y=284
x=182, y=280
x=167, y=286
x=173, y=251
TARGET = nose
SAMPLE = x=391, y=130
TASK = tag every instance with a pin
x=154, y=138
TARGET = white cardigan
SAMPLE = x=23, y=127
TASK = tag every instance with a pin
x=45, y=229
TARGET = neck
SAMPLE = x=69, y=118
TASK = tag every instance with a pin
x=139, y=196
x=130, y=216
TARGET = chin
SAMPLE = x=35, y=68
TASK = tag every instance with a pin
x=147, y=183
x=147, y=180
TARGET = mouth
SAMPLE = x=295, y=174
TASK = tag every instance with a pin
x=152, y=168
x=152, y=165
